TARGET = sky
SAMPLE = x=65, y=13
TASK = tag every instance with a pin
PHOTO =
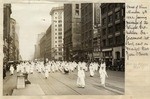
x=33, y=19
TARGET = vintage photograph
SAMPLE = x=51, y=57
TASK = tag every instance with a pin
x=63, y=49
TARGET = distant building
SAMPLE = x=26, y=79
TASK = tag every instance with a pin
x=6, y=31
x=113, y=32
x=57, y=32
x=45, y=45
x=72, y=30
x=37, y=46
x=48, y=43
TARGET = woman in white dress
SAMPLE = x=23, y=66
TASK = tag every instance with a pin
x=91, y=68
x=81, y=78
x=103, y=73
x=46, y=71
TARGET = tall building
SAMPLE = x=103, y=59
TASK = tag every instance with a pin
x=113, y=32
x=37, y=46
x=14, y=41
x=6, y=31
x=48, y=43
x=72, y=31
x=96, y=31
x=57, y=32
x=45, y=45
x=90, y=28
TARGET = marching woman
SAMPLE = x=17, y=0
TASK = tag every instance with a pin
x=103, y=73
x=91, y=68
x=81, y=78
x=46, y=71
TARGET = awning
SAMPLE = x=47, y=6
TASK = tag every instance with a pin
x=109, y=49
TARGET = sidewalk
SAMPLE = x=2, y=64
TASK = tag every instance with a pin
x=29, y=90
x=9, y=83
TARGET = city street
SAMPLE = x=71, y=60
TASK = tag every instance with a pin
x=65, y=84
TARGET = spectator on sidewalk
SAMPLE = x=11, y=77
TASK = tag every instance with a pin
x=103, y=73
x=11, y=69
x=4, y=71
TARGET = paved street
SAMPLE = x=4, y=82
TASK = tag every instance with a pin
x=65, y=84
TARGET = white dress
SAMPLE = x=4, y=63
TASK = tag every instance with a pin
x=46, y=72
x=103, y=73
x=91, y=70
x=81, y=78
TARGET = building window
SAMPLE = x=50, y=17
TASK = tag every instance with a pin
x=60, y=49
x=123, y=52
x=117, y=55
x=118, y=38
x=77, y=6
x=110, y=30
x=60, y=25
x=60, y=29
x=55, y=33
x=55, y=12
x=77, y=12
x=60, y=33
x=60, y=53
x=55, y=41
x=110, y=41
x=117, y=15
x=117, y=27
x=117, y=5
x=60, y=37
x=55, y=29
x=103, y=10
x=104, y=31
x=60, y=58
x=104, y=43
x=110, y=18
x=110, y=7
x=55, y=17
x=55, y=25
x=123, y=25
x=60, y=41
x=107, y=54
x=59, y=21
x=104, y=21
x=55, y=37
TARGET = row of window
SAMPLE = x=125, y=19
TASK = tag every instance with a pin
x=110, y=17
x=58, y=45
x=60, y=41
x=59, y=37
x=110, y=7
x=109, y=53
x=58, y=53
x=111, y=41
x=59, y=25
x=112, y=30
x=59, y=33
x=59, y=29
x=59, y=21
